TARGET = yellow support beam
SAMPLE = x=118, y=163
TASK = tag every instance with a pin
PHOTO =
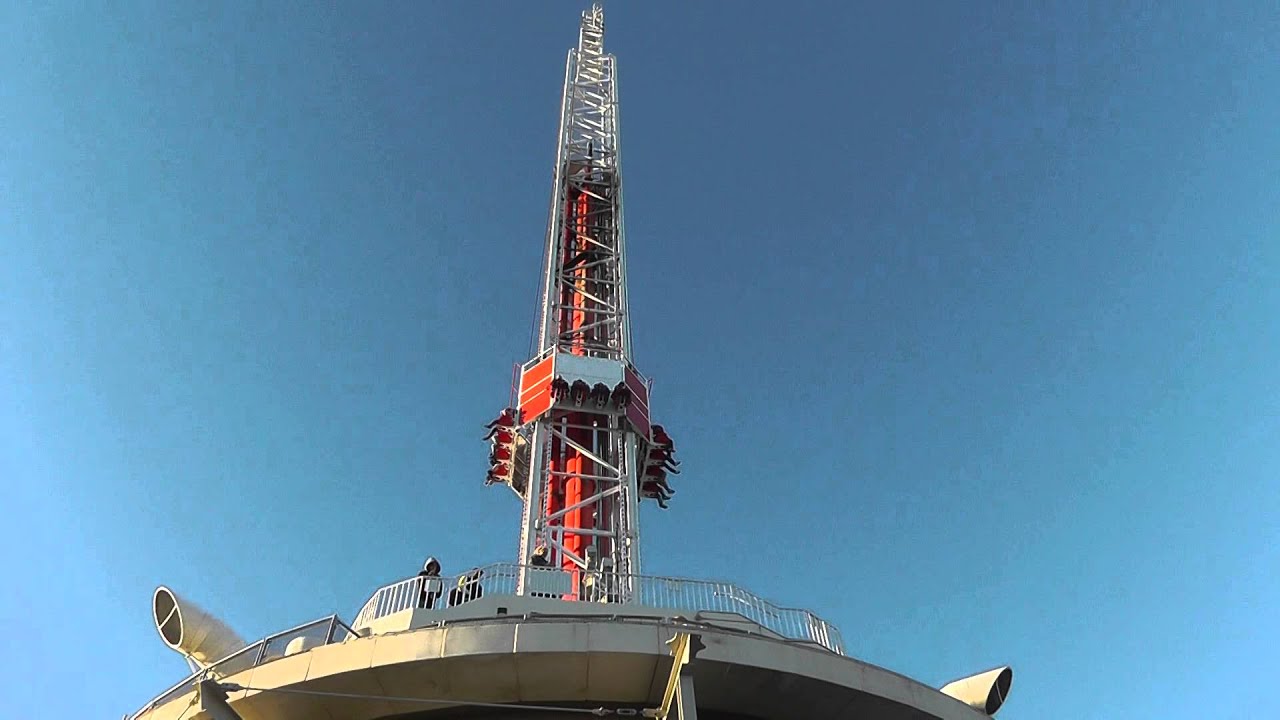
x=679, y=691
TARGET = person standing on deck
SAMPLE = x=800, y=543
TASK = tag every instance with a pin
x=431, y=585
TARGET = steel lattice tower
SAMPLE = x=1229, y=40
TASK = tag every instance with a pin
x=578, y=446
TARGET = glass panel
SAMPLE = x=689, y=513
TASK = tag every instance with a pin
x=298, y=640
x=239, y=662
x=187, y=686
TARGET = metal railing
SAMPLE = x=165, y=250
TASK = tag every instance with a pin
x=693, y=597
x=696, y=600
x=304, y=637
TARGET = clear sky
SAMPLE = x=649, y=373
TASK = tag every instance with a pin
x=966, y=321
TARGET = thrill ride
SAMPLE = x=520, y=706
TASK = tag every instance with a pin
x=572, y=627
x=579, y=446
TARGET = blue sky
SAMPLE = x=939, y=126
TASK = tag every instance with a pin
x=966, y=322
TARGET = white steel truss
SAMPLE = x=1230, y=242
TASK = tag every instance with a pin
x=584, y=312
x=588, y=164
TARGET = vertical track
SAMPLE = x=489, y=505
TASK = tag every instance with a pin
x=582, y=477
x=578, y=336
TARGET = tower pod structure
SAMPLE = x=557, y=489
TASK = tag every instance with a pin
x=573, y=628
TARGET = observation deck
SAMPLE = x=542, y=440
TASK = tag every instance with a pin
x=490, y=593
x=716, y=603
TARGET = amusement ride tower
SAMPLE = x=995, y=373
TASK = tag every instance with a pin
x=573, y=627
x=578, y=447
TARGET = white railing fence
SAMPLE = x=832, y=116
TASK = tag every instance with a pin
x=690, y=597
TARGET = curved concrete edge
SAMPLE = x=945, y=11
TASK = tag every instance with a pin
x=574, y=660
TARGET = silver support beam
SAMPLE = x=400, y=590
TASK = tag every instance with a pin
x=686, y=700
x=213, y=701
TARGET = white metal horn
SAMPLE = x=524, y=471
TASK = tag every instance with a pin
x=984, y=692
x=191, y=631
